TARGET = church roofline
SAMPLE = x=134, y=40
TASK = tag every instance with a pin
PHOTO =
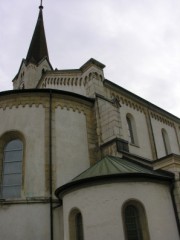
x=140, y=100
x=80, y=70
x=83, y=68
x=90, y=62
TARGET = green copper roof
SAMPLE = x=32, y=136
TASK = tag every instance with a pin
x=114, y=165
x=110, y=168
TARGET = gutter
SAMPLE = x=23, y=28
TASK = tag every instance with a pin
x=97, y=180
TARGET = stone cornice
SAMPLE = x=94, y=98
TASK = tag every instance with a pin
x=125, y=94
x=37, y=97
x=167, y=162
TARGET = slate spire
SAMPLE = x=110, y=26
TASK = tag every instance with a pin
x=38, y=47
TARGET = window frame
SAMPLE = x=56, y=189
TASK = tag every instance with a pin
x=4, y=140
x=131, y=127
x=76, y=230
x=167, y=146
x=143, y=224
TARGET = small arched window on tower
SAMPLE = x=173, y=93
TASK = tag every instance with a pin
x=165, y=137
x=135, y=222
x=131, y=129
x=76, y=225
x=12, y=169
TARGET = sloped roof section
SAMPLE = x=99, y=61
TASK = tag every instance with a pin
x=114, y=165
x=38, y=46
x=116, y=168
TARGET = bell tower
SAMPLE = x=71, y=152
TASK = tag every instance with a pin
x=37, y=59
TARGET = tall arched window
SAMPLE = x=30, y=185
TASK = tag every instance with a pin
x=131, y=129
x=132, y=223
x=76, y=225
x=79, y=226
x=135, y=222
x=12, y=169
x=165, y=137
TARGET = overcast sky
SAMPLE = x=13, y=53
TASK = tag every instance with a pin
x=137, y=40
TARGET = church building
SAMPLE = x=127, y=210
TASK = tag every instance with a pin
x=82, y=158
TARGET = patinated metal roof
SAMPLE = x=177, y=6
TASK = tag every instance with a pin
x=114, y=165
x=114, y=169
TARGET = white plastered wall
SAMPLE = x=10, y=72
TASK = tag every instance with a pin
x=71, y=151
x=101, y=208
x=157, y=127
x=143, y=147
x=30, y=121
x=24, y=221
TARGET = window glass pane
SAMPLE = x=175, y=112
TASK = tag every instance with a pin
x=166, y=142
x=13, y=167
x=13, y=156
x=14, y=144
x=79, y=227
x=12, y=170
x=130, y=129
x=12, y=179
x=132, y=223
x=11, y=192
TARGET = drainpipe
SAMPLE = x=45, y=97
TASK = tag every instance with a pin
x=174, y=206
x=50, y=167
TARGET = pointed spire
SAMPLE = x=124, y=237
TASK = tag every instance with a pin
x=38, y=47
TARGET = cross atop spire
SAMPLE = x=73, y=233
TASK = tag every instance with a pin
x=41, y=6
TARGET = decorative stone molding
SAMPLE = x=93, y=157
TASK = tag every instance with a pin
x=76, y=79
x=136, y=106
x=162, y=119
x=170, y=163
x=128, y=102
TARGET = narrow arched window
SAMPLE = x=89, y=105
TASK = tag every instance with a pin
x=131, y=129
x=165, y=137
x=12, y=169
x=135, y=222
x=79, y=226
x=132, y=223
x=76, y=225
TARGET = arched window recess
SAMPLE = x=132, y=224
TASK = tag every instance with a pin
x=76, y=225
x=135, y=222
x=166, y=142
x=131, y=126
x=11, y=166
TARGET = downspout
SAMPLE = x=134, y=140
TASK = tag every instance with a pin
x=174, y=206
x=50, y=167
